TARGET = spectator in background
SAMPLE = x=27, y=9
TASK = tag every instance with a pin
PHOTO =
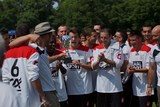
x=128, y=32
x=83, y=38
x=12, y=34
x=127, y=93
x=148, y=38
x=62, y=30
x=97, y=28
x=4, y=33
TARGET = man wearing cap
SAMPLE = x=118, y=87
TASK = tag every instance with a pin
x=45, y=31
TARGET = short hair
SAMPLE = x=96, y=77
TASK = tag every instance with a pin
x=106, y=30
x=88, y=31
x=22, y=29
x=136, y=33
x=146, y=25
x=4, y=31
x=123, y=34
x=75, y=31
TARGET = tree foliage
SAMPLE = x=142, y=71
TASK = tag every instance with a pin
x=14, y=12
x=111, y=13
x=81, y=13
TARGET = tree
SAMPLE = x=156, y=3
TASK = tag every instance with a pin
x=32, y=12
x=112, y=13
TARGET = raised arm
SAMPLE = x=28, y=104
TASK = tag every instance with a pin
x=30, y=38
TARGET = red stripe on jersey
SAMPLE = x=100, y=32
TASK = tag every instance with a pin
x=101, y=46
x=153, y=43
x=81, y=48
x=20, y=52
x=62, y=49
x=143, y=48
x=57, y=51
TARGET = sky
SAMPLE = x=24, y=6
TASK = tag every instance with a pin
x=55, y=5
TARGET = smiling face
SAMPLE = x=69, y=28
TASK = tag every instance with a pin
x=105, y=38
x=62, y=30
x=156, y=34
x=135, y=41
x=146, y=32
x=92, y=37
x=75, y=40
x=118, y=37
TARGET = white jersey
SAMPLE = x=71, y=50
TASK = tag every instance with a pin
x=45, y=75
x=93, y=72
x=79, y=80
x=151, y=44
x=9, y=97
x=108, y=76
x=154, y=57
x=125, y=49
x=128, y=43
x=58, y=80
x=139, y=60
x=19, y=69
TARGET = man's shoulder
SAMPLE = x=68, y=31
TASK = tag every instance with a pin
x=22, y=51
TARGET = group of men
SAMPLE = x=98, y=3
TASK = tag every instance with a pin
x=34, y=64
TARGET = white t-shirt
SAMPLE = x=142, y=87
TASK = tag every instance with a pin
x=108, y=77
x=20, y=67
x=58, y=80
x=154, y=57
x=139, y=60
x=9, y=97
x=45, y=75
x=79, y=80
x=93, y=72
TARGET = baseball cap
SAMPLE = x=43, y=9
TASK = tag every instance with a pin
x=43, y=28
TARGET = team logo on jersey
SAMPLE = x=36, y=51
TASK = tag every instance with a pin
x=137, y=64
x=35, y=62
x=73, y=66
x=72, y=52
x=91, y=58
x=119, y=55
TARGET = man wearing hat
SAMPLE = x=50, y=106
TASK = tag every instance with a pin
x=20, y=70
x=44, y=31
